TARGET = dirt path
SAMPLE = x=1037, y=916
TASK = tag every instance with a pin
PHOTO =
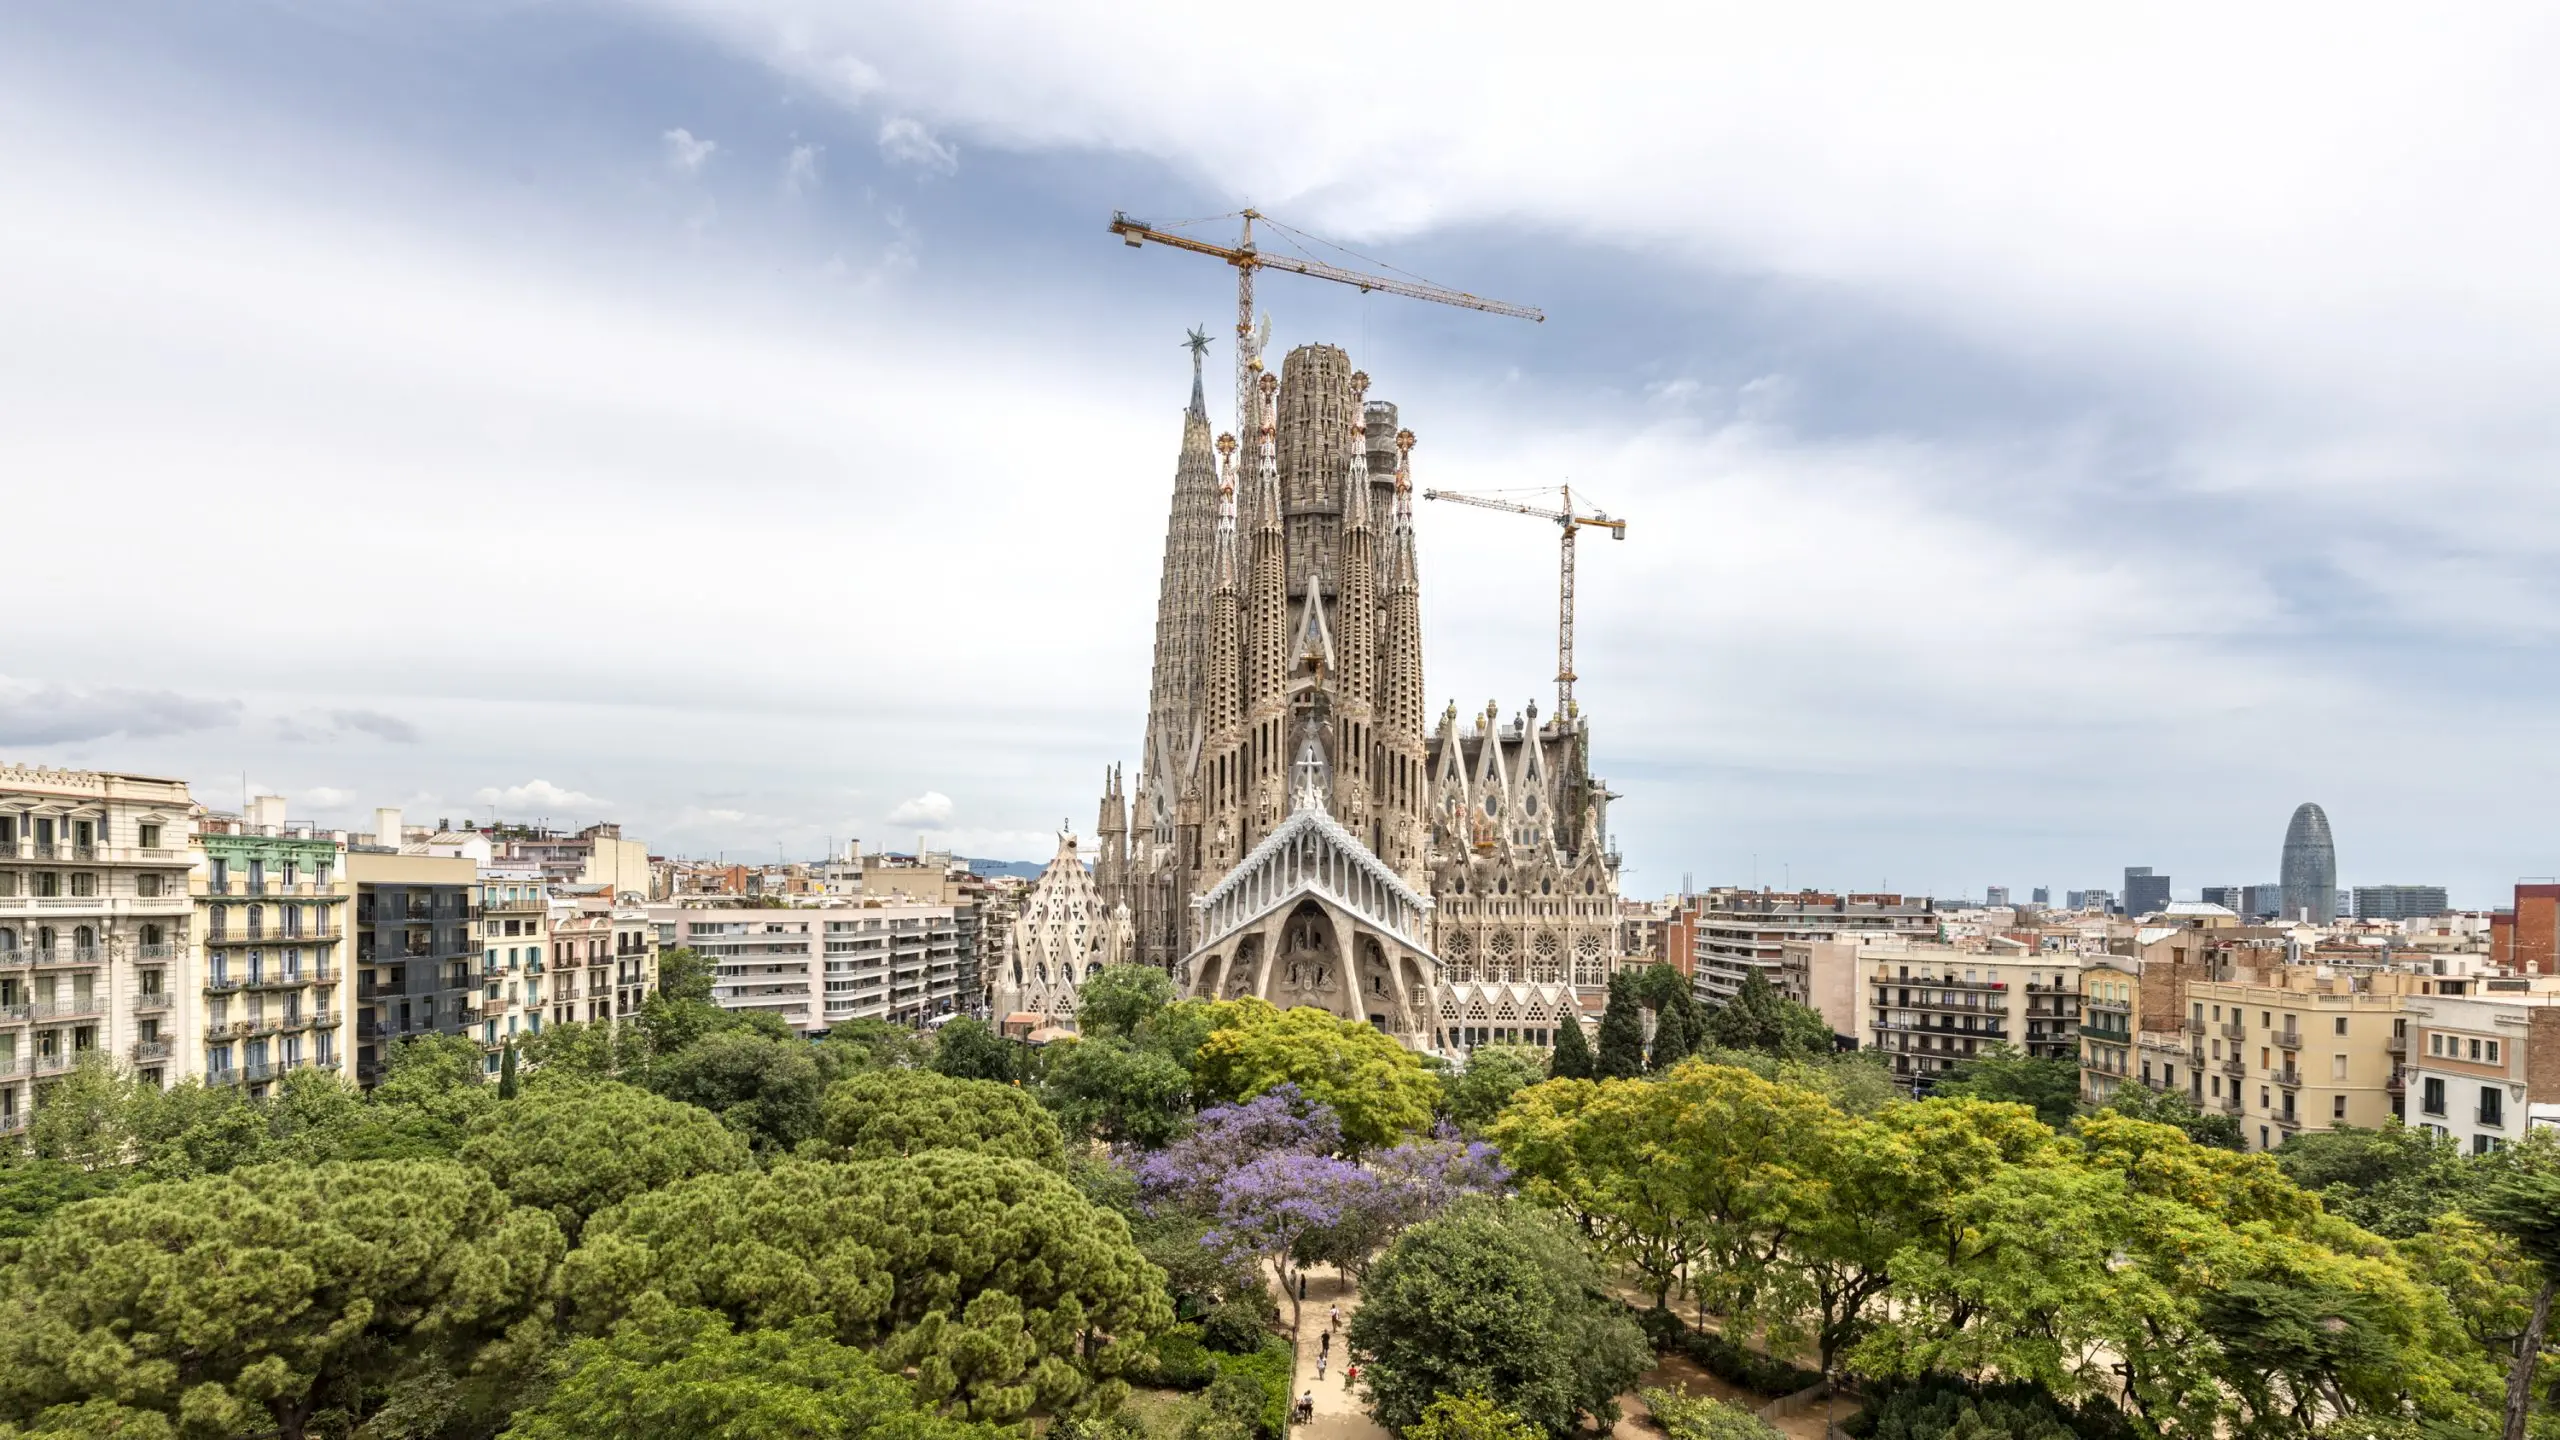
x=1339, y=1415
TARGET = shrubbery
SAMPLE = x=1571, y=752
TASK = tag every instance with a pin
x=1724, y=1359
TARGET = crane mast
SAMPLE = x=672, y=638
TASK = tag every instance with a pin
x=1571, y=524
x=1247, y=257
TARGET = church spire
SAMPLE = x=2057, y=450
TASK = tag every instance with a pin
x=1267, y=628
x=1356, y=631
x=1406, y=781
x=1168, y=762
x=1223, y=704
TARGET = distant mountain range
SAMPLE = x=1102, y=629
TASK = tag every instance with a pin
x=1024, y=869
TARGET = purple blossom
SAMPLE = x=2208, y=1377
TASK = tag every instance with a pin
x=1276, y=1205
x=1227, y=1138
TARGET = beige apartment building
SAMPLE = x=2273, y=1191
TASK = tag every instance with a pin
x=1929, y=1007
x=94, y=917
x=604, y=959
x=2291, y=1048
x=516, y=981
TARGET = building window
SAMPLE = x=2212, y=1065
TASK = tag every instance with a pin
x=149, y=834
x=2493, y=1105
x=2431, y=1095
x=2337, y=1107
x=2493, y=1052
x=2340, y=1026
x=2435, y=1043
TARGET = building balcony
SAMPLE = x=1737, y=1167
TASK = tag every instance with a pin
x=2288, y=1039
x=13, y=1123
x=2195, y=1027
x=147, y=1051
x=57, y=1063
x=67, y=1009
x=2235, y=1067
x=153, y=1001
x=2289, y=1078
x=2288, y=1121
x=58, y=957
x=2397, y=1044
x=515, y=907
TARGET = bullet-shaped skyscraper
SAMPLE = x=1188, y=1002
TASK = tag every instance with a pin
x=2310, y=872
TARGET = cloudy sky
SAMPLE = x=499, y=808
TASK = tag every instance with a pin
x=2051, y=443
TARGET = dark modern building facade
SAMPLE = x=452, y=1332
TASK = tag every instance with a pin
x=2400, y=902
x=417, y=934
x=2144, y=892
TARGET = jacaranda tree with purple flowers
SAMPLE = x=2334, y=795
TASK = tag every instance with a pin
x=1225, y=1138
x=1286, y=1204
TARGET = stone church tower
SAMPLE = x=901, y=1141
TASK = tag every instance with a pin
x=1298, y=833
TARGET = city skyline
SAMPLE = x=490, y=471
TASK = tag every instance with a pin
x=698, y=346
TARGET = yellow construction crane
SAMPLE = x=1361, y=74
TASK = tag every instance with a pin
x=1572, y=525
x=1248, y=257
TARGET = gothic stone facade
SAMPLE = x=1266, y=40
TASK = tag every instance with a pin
x=1065, y=933
x=1300, y=831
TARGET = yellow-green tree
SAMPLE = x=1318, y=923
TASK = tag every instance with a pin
x=573, y=1149
x=1377, y=1087
x=876, y=1114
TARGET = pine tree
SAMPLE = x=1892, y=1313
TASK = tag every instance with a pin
x=507, y=1073
x=1621, y=1054
x=1572, y=1059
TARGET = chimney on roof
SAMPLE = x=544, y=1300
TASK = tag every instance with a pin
x=386, y=826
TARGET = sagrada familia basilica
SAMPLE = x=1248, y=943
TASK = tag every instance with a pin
x=1301, y=829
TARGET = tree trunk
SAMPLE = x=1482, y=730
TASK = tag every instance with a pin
x=2528, y=1350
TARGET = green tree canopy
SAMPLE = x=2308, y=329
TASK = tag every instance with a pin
x=2393, y=1181
x=1496, y=1300
x=765, y=1088
x=871, y=1045
x=1621, y=1051
x=1113, y=1090
x=1757, y=1018
x=686, y=974
x=258, y=1298
x=992, y=1277
x=2172, y=1107
x=674, y=1374
x=968, y=1050
x=882, y=1113
x=1571, y=1059
x=2005, y=1074
x=1492, y=1075
x=573, y=1149
x=1470, y=1417
x=1375, y=1086
x=1122, y=999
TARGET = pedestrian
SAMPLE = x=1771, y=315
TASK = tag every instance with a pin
x=1333, y=1317
x=1324, y=1342
x=1321, y=1357
x=1302, y=1286
x=1350, y=1373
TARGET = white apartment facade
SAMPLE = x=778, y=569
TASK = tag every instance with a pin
x=1930, y=1008
x=94, y=917
x=822, y=965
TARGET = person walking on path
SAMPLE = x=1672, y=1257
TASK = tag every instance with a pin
x=1333, y=1316
x=1324, y=1343
x=1321, y=1357
x=1350, y=1376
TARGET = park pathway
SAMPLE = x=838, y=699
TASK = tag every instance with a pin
x=1339, y=1415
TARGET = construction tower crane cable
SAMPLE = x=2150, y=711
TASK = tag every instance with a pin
x=1571, y=524
x=1246, y=257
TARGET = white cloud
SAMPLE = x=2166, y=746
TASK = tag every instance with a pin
x=904, y=140
x=800, y=171
x=932, y=808
x=538, y=797
x=685, y=154
x=324, y=797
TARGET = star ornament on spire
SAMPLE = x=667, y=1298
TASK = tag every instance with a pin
x=1196, y=339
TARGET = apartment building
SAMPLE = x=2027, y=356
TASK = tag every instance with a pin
x=596, y=855
x=417, y=943
x=94, y=921
x=1932, y=1007
x=271, y=933
x=1736, y=932
x=822, y=965
x=514, y=973
x=2297, y=1046
x=2484, y=1068
x=604, y=959
x=2525, y=937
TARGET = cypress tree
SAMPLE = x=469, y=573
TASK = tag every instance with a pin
x=1621, y=1054
x=1673, y=1041
x=507, y=1073
x=1572, y=1058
